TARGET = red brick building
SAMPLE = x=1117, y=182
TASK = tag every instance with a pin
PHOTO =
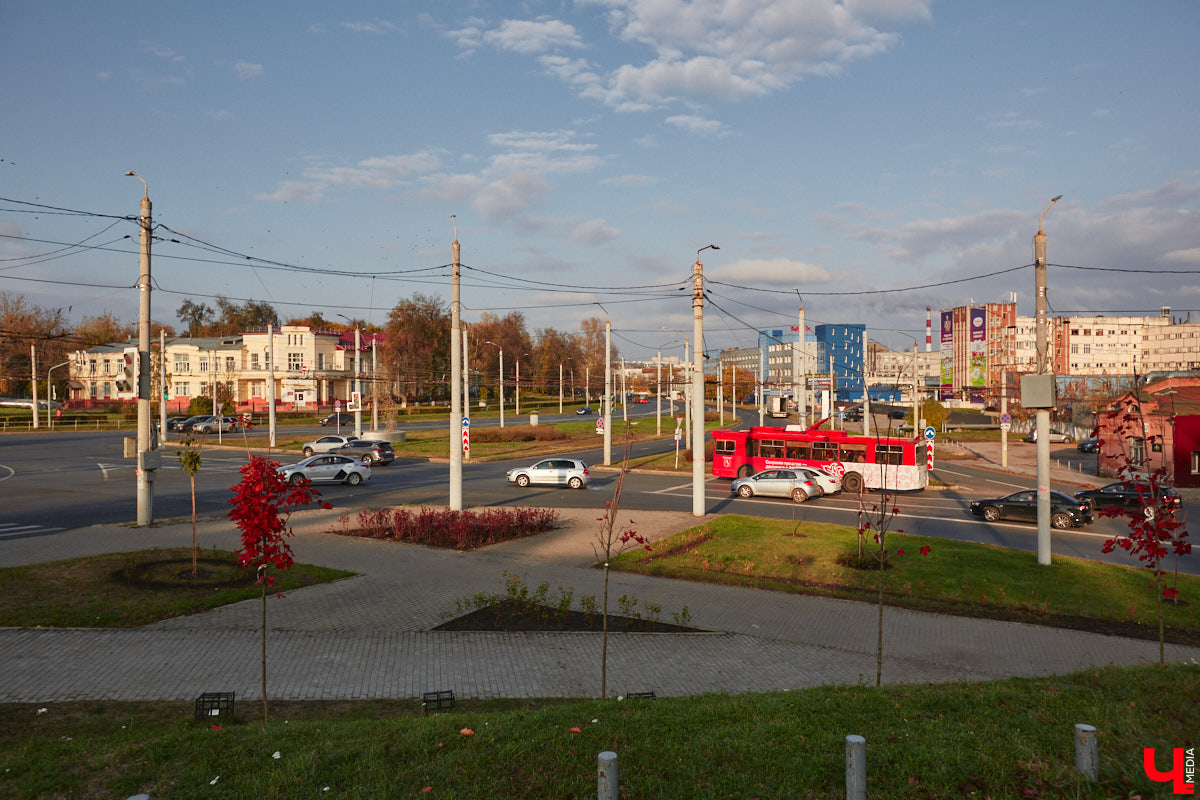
x=1165, y=432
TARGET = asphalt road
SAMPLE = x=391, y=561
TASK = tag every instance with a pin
x=65, y=480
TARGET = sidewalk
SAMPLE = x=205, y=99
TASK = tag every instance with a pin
x=369, y=636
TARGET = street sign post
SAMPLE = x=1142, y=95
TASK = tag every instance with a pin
x=466, y=435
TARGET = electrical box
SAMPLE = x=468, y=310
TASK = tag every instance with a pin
x=1038, y=391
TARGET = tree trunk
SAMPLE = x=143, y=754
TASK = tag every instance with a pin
x=195, y=555
x=264, y=646
x=604, y=639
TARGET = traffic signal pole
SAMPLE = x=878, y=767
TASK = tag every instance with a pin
x=147, y=460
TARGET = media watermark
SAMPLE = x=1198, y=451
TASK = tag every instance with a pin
x=1182, y=774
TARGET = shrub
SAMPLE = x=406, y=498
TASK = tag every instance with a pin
x=440, y=527
x=519, y=433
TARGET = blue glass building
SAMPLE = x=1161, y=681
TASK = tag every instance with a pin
x=845, y=345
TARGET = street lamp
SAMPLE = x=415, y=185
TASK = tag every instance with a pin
x=698, y=383
x=357, y=374
x=517, y=405
x=1043, y=414
x=501, y=349
x=146, y=463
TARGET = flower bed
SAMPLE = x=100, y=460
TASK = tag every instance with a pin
x=440, y=527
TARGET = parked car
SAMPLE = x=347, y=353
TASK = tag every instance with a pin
x=185, y=426
x=376, y=451
x=897, y=413
x=211, y=424
x=642, y=400
x=854, y=414
x=824, y=482
x=792, y=483
x=327, y=443
x=1065, y=511
x=1088, y=445
x=173, y=423
x=1130, y=494
x=339, y=418
x=328, y=468
x=583, y=410
x=551, y=471
x=1055, y=436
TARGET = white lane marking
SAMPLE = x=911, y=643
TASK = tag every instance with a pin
x=1002, y=483
x=952, y=472
x=11, y=472
x=12, y=531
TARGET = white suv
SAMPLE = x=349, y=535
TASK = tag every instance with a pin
x=552, y=471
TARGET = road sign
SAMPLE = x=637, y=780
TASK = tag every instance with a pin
x=930, y=432
x=337, y=405
x=1005, y=418
x=929, y=455
x=1004, y=426
x=599, y=424
x=466, y=430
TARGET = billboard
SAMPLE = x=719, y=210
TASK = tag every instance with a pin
x=977, y=373
x=947, y=349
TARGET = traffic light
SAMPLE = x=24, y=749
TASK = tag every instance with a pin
x=127, y=382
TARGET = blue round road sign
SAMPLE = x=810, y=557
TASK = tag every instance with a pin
x=930, y=432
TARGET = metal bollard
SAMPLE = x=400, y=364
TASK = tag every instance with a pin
x=606, y=776
x=1087, y=759
x=856, y=768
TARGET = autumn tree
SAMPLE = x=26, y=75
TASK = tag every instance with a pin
x=23, y=324
x=554, y=348
x=592, y=345
x=416, y=352
x=197, y=316
x=507, y=332
x=102, y=329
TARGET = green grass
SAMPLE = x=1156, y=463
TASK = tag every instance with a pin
x=955, y=577
x=1003, y=739
x=88, y=592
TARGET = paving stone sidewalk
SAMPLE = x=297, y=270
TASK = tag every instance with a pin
x=369, y=636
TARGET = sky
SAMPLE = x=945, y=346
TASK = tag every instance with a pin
x=863, y=159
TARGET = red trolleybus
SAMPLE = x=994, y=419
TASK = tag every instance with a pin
x=861, y=461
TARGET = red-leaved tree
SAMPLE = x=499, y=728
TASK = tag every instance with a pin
x=1155, y=529
x=263, y=503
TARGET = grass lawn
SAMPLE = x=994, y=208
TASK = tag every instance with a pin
x=1003, y=739
x=126, y=590
x=955, y=577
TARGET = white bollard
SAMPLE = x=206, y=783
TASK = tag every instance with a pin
x=1087, y=760
x=606, y=776
x=856, y=768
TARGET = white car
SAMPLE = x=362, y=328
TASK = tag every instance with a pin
x=1053, y=436
x=327, y=443
x=825, y=483
x=327, y=468
x=553, y=472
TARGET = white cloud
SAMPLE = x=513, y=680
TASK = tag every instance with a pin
x=220, y=114
x=510, y=195
x=247, y=70
x=532, y=36
x=374, y=26
x=382, y=172
x=631, y=180
x=784, y=271
x=295, y=191
x=165, y=53
x=594, y=231
x=1100, y=113
x=1014, y=121
x=1190, y=255
x=538, y=140
x=698, y=125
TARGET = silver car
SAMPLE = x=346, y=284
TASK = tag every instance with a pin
x=210, y=424
x=327, y=468
x=552, y=472
x=776, y=483
x=327, y=443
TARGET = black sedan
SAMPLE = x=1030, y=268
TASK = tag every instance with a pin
x=340, y=418
x=1131, y=494
x=1065, y=511
x=583, y=410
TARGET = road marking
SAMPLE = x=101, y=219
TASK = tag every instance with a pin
x=13, y=531
x=952, y=472
x=11, y=472
x=1002, y=483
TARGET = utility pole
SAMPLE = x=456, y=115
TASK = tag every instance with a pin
x=146, y=463
x=687, y=393
x=466, y=401
x=374, y=398
x=1043, y=414
x=658, y=393
x=162, y=397
x=1003, y=411
x=698, y=383
x=560, y=387
x=624, y=394
x=456, y=398
x=33, y=382
x=916, y=401
x=271, y=382
x=607, y=390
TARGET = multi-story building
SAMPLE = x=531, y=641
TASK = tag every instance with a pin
x=309, y=367
x=844, y=349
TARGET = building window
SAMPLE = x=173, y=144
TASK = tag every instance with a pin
x=204, y=365
x=254, y=361
x=106, y=365
x=183, y=390
x=1196, y=462
x=320, y=361
x=92, y=389
x=203, y=390
x=229, y=363
x=92, y=366
x=181, y=363
x=1137, y=451
x=107, y=390
x=295, y=360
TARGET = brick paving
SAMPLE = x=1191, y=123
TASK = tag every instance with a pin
x=369, y=636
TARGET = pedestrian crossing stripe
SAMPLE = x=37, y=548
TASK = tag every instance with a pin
x=10, y=530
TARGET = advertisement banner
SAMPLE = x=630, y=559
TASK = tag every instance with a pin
x=977, y=374
x=947, y=349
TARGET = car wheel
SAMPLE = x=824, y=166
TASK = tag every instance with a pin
x=575, y=483
x=852, y=482
x=744, y=471
x=308, y=451
x=820, y=491
x=1091, y=504
x=1062, y=521
x=522, y=481
x=745, y=491
x=353, y=479
x=799, y=495
x=296, y=479
x=1067, y=440
x=991, y=513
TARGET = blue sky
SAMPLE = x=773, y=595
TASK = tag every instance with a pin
x=587, y=149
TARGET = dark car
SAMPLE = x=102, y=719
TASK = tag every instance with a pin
x=583, y=410
x=375, y=451
x=1088, y=445
x=1130, y=494
x=1065, y=511
x=185, y=426
x=340, y=418
x=173, y=423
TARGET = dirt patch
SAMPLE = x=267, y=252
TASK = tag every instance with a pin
x=509, y=616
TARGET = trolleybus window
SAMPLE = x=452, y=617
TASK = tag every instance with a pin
x=889, y=454
x=771, y=448
x=799, y=450
x=825, y=451
x=854, y=453
x=726, y=447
